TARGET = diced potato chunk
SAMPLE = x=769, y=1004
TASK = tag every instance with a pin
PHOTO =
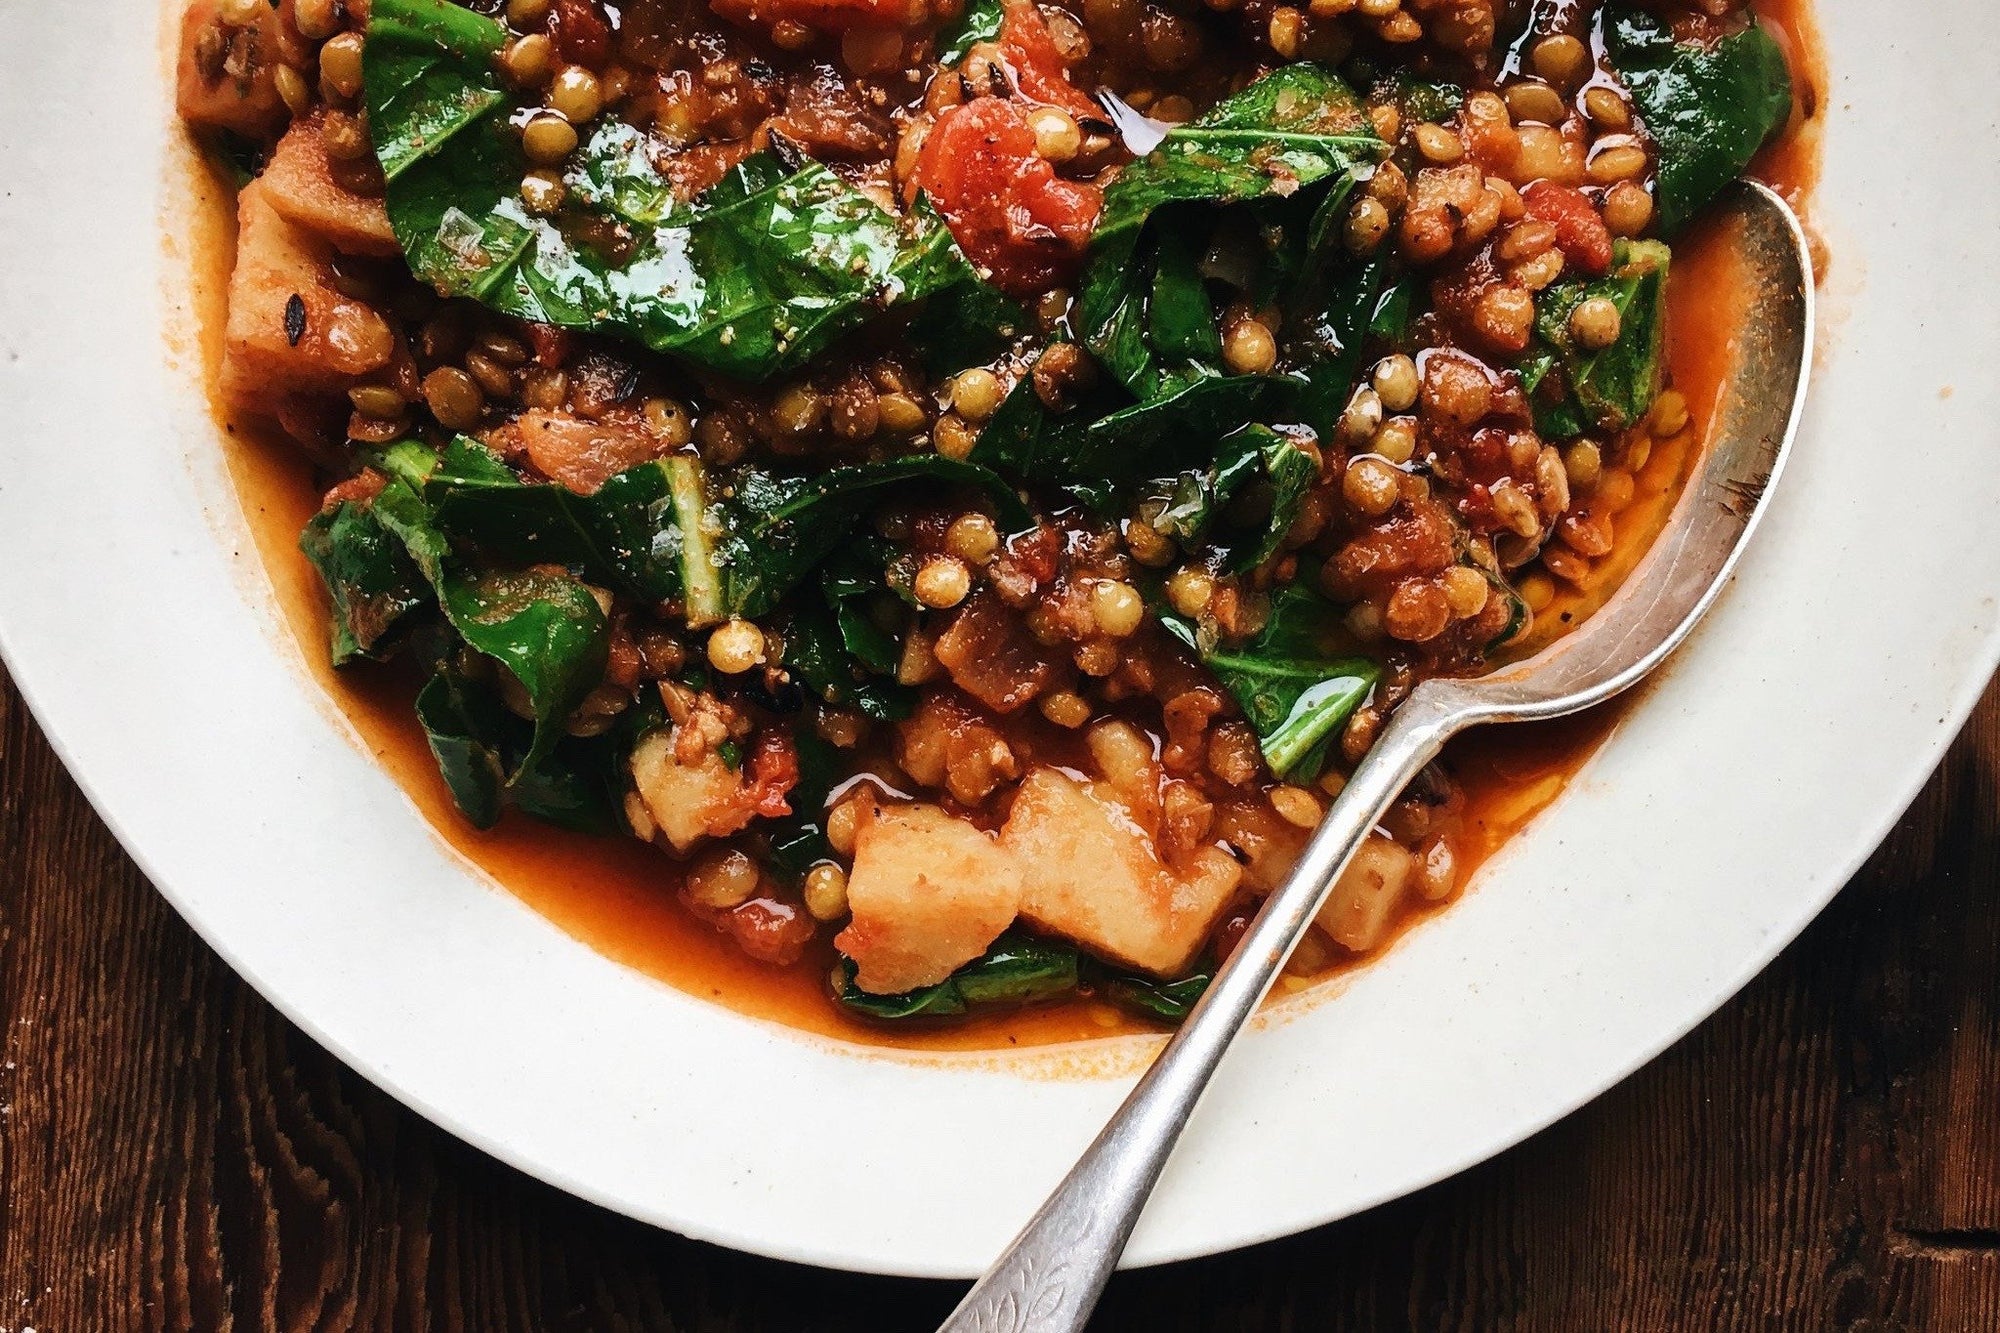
x=1365, y=898
x=226, y=75
x=289, y=333
x=929, y=893
x=579, y=454
x=1089, y=874
x=299, y=183
x=688, y=802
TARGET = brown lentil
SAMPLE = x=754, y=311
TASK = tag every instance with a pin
x=1249, y=349
x=1396, y=383
x=825, y=892
x=340, y=64
x=972, y=538
x=576, y=95
x=722, y=879
x=942, y=582
x=454, y=398
x=1562, y=61
x=530, y=61
x=548, y=139
x=1537, y=102
x=1371, y=486
x=1595, y=323
x=736, y=646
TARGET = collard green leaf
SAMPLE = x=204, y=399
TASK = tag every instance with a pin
x=1293, y=691
x=622, y=535
x=1098, y=454
x=1574, y=391
x=1291, y=472
x=1291, y=129
x=1189, y=507
x=1139, y=309
x=836, y=649
x=1018, y=969
x=820, y=652
x=478, y=744
x=759, y=275
x=1162, y=1001
x=368, y=575
x=462, y=723
x=776, y=530
x=978, y=22
x=1708, y=108
x=545, y=628
x=1327, y=330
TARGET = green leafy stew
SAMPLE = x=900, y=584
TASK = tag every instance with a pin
x=968, y=507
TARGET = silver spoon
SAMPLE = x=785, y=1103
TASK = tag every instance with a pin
x=1049, y=1279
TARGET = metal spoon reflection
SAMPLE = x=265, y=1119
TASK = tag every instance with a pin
x=1050, y=1278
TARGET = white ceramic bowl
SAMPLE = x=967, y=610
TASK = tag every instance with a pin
x=1725, y=812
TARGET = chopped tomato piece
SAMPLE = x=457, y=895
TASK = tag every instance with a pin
x=581, y=32
x=1040, y=71
x=551, y=345
x=1007, y=208
x=1580, y=232
x=825, y=15
x=774, y=771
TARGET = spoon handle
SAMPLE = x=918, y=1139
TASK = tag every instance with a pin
x=1049, y=1279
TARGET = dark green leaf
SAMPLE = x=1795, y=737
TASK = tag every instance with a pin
x=478, y=743
x=545, y=628
x=1181, y=321
x=1164, y=1001
x=624, y=534
x=834, y=651
x=1097, y=453
x=758, y=276
x=1292, y=130
x=1291, y=688
x=1291, y=471
x=1418, y=99
x=1188, y=507
x=463, y=723
x=978, y=22
x=1574, y=391
x=777, y=529
x=1018, y=969
x=368, y=576
x=1708, y=108
x=1327, y=329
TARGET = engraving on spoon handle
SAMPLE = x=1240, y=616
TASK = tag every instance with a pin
x=1050, y=1277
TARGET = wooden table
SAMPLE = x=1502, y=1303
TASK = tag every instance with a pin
x=1825, y=1152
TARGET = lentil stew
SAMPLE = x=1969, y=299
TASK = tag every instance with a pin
x=910, y=507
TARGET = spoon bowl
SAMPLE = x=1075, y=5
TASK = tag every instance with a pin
x=1050, y=1277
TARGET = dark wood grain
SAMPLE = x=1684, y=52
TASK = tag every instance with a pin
x=1824, y=1153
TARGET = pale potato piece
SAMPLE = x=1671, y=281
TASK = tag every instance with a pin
x=929, y=892
x=1364, y=899
x=225, y=78
x=290, y=334
x=688, y=802
x=1090, y=875
x=300, y=185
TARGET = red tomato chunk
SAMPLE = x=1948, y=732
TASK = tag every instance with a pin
x=1010, y=212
